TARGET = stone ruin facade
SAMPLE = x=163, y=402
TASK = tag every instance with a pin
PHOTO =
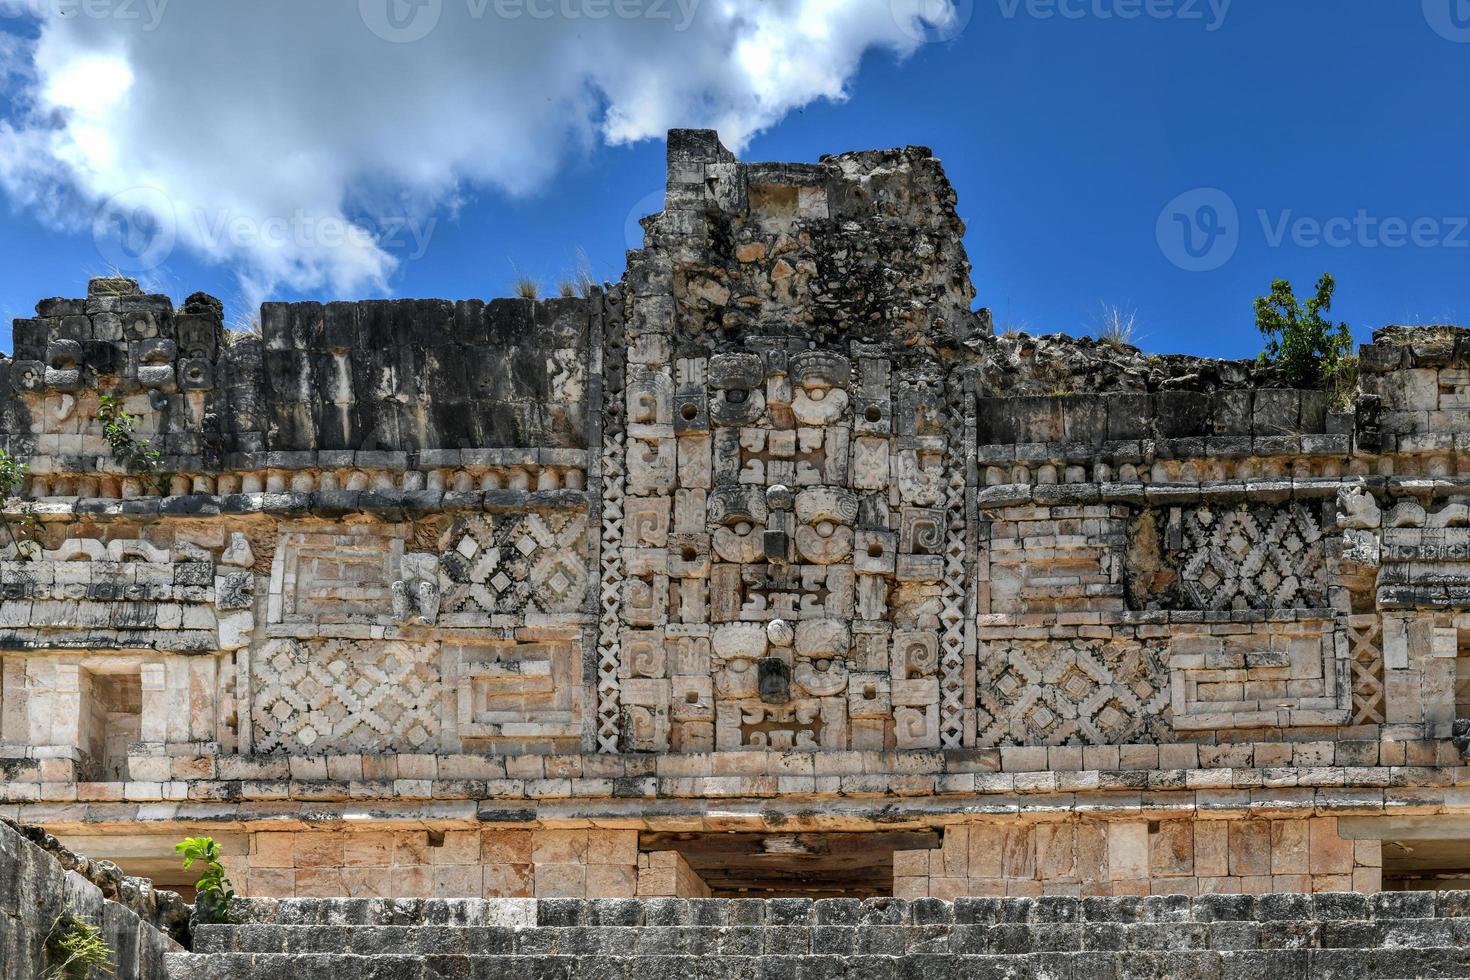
x=767, y=571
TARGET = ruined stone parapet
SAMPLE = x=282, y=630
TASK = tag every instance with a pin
x=42, y=886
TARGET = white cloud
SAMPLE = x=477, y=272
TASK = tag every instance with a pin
x=278, y=132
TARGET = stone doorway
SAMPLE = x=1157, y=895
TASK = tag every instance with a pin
x=776, y=865
x=1422, y=864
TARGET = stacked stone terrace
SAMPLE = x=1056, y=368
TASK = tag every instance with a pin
x=767, y=571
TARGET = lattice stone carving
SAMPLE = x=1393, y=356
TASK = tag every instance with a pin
x=1365, y=658
x=513, y=564
x=610, y=583
x=344, y=696
x=1060, y=692
x=1251, y=557
x=953, y=592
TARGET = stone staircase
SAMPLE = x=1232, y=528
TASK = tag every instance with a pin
x=1217, y=937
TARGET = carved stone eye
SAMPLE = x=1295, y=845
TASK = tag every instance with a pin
x=817, y=394
x=780, y=633
x=826, y=528
x=743, y=528
x=736, y=396
x=779, y=498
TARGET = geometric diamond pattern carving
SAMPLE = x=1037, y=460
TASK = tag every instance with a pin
x=513, y=564
x=954, y=592
x=1365, y=658
x=1079, y=692
x=345, y=696
x=613, y=480
x=1252, y=557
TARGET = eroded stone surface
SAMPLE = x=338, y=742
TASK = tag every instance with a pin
x=773, y=535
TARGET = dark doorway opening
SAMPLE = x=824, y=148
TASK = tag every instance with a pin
x=1426, y=865
x=776, y=865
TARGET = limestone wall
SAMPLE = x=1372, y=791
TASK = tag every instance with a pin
x=1141, y=857
x=771, y=534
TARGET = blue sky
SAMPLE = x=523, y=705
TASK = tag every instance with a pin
x=1084, y=150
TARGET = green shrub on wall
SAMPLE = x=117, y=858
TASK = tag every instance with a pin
x=1311, y=351
x=74, y=948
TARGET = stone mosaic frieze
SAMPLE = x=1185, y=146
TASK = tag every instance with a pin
x=773, y=527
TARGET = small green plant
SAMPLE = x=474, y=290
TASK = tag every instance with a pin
x=1311, y=350
x=214, y=893
x=120, y=430
x=12, y=481
x=12, y=474
x=74, y=948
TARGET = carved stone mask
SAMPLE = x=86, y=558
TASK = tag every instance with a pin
x=737, y=517
x=825, y=516
x=736, y=382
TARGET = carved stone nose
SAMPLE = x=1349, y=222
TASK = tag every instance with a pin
x=775, y=681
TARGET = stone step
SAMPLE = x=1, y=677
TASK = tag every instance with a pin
x=852, y=912
x=1357, y=964
x=881, y=940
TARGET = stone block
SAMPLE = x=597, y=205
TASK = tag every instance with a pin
x=1330, y=853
